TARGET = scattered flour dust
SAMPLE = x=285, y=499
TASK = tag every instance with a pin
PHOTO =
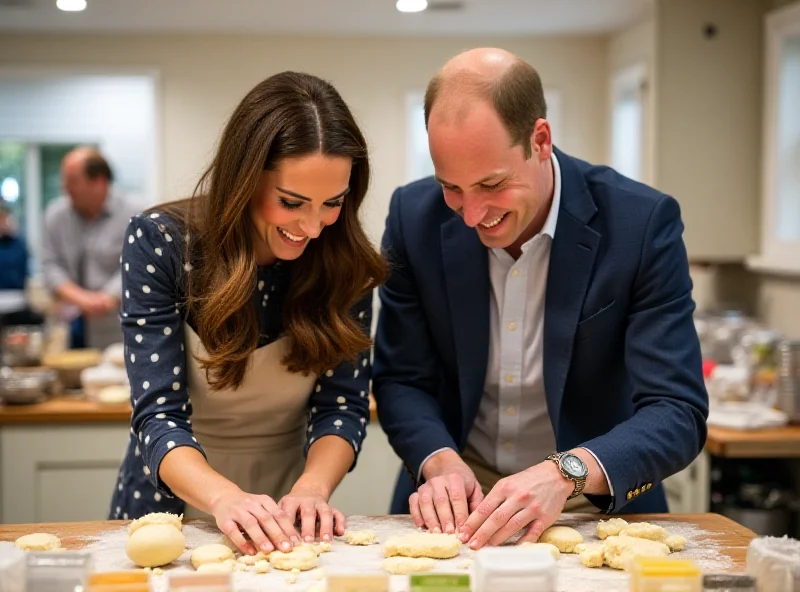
x=108, y=549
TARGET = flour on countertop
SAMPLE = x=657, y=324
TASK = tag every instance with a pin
x=108, y=549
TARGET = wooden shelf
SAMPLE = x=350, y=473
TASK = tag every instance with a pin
x=773, y=443
x=60, y=410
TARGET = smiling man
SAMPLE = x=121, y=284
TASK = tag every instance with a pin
x=536, y=351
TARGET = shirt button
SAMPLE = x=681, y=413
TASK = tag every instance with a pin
x=515, y=272
x=512, y=326
x=511, y=411
x=510, y=378
x=508, y=446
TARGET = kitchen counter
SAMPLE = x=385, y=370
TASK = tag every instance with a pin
x=781, y=442
x=72, y=409
x=715, y=532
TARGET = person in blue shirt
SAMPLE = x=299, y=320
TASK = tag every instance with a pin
x=246, y=316
x=13, y=254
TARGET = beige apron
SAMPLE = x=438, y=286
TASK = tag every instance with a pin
x=254, y=435
x=488, y=478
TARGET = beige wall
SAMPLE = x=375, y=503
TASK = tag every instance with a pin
x=202, y=79
x=708, y=121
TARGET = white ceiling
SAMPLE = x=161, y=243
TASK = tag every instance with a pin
x=333, y=17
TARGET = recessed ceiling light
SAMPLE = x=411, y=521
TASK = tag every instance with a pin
x=71, y=5
x=411, y=5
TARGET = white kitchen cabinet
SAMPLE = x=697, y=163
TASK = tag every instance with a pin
x=688, y=490
x=63, y=473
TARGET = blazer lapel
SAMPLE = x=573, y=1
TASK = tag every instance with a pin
x=466, y=270
x=571, y=260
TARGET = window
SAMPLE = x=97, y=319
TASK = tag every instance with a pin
x=627, y=122
x=418, y=158
x=780, y=230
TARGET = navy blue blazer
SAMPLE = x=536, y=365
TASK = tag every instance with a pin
x=622, y=364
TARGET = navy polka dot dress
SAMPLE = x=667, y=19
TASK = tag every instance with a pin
x=154, y=271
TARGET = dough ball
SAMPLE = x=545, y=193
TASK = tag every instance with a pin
x=546, y=546
x=591, y=554
x=262, y=566
x=215, y=568
x=38, y=541
x=310, y=547
x=611, y=527
x=563, y=537
x=156, y=518
x=154, y=545
x=323, y=547
x=360, y=537
x=212, y=553
x=423, y=544
x=621, y=550
x=408, y=565
x=252, y=559
x=644, y=530
x=114, y=393
x=675, y=542
x=300, y=558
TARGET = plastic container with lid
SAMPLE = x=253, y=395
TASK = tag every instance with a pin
x=775, y=564
x=661, y=574
x=12, y=568
x=119, y=581
x=728, y=583
x=199, y=582
x=515, y=569
x=63, y=571
x=96, y=379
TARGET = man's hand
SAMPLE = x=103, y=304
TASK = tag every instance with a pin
x=449, y=494
x=97, y=304
x=533, y=498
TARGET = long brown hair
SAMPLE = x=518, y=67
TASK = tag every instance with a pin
x=287, y=115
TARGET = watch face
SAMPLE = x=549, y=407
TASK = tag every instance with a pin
x=574, y=466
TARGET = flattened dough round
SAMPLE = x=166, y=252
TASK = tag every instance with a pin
x=591, y=554
x=408, y=565
x=563, y=537
x=300, y=557
x=156, y=518
x=546, y=546
x=610, y=527
x=215, y=568
x=154, y=545
x=211, y=553
x=38, y=541
x=644, y=530
x=360, y=537
x=423, y=544
x=621, y=550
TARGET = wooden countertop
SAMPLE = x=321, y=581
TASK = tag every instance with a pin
x=732, y=537
x=69, y=410
x=773, y=443
x=65, y=410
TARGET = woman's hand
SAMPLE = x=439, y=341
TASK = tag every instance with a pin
x=266, y=524
x=308, y=505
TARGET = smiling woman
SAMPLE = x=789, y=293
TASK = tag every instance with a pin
x=246, y=318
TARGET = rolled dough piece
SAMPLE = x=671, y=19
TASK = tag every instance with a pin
x=156, y=518
x=546, y=546
x=563, y=537
x=154, y=545
x=215, y=568
x=360, y=537
x=211, y=553
x=610, y=527
x=591, y=554
x=38, y=541
x=644, y=530
x=263, y=566
x=675, y=542
x=621, y=550
x=300, y=558
x=423, y=544
x=408, y=565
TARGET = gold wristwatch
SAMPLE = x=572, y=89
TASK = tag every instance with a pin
x=572, y=468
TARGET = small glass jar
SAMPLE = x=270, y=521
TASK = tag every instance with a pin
x=728, y=583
